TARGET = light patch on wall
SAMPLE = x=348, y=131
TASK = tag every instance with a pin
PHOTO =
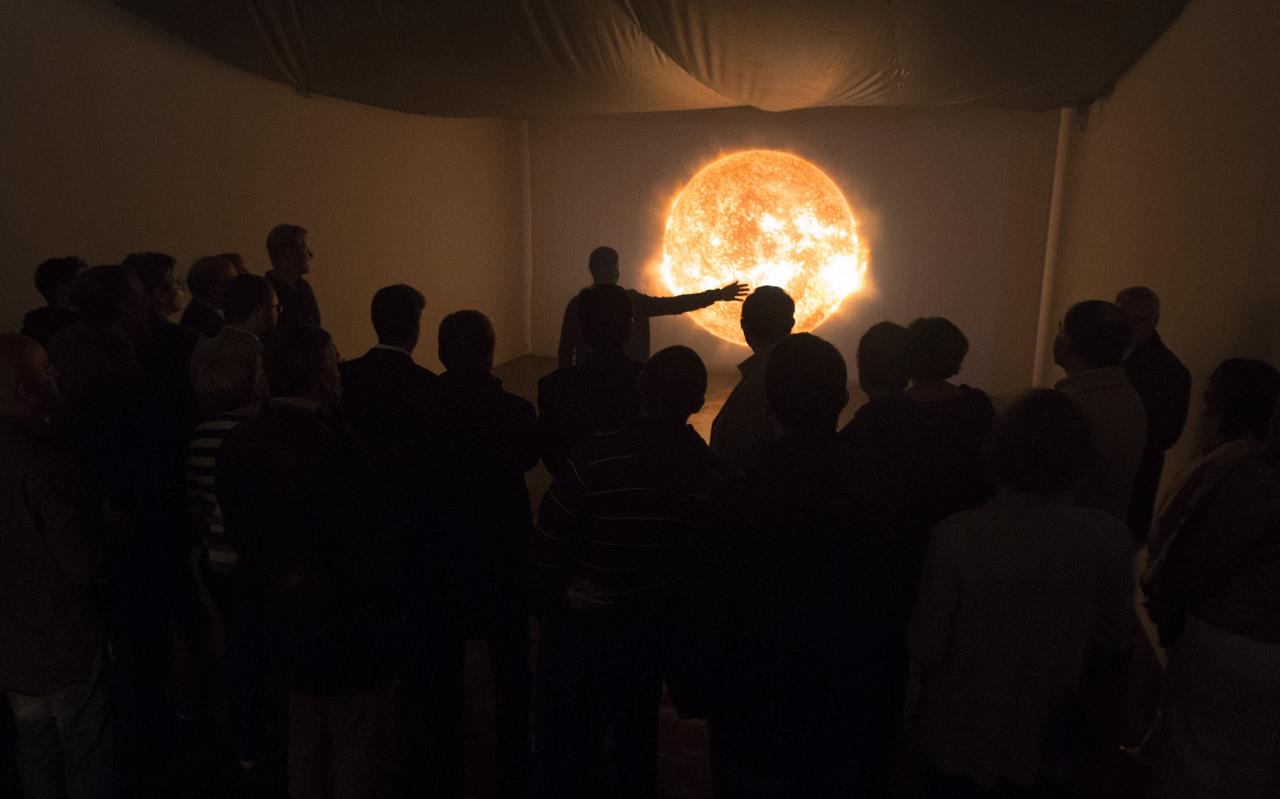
x=765, y=218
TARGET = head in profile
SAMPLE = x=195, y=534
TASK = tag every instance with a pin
x=768, y=315
x=397, y=316
x=1142, y=306
x=155, y=270
x=208, y=278
x=110, y=297
x=603, y=265
x=1041, y=445
x=884, y=359
x=249, y=303
x=1239, y=400
x=28, y=383
x=302, y=362
x=937, y=350
x=673, y=385
x=54, y=278
x=805, y=385
x=1095, y=334
x=228, y=377
x=466, y=342
x=289, y=253
x=604, y=316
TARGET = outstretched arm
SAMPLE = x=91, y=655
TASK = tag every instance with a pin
x=645, y=305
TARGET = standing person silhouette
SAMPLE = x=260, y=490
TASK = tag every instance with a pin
x=603, y=264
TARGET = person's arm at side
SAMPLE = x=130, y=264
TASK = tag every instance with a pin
x=57, y=491
x=1243, y=509
x=937, y=601
x=552, y=425
x=645, y=305
x=559, y=523
x=570, y=334
x=523, y=435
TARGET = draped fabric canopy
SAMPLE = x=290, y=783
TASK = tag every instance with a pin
x=528, y=58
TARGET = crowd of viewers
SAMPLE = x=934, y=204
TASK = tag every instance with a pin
x=222, y=519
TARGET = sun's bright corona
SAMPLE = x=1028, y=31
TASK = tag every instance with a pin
x=765, y=218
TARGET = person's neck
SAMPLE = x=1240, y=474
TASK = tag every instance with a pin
x=929, y=390
x=759, y=346
x=665, y=419
x=19, y=410
x=882, y=392
x=287, y=276
x=406, y=348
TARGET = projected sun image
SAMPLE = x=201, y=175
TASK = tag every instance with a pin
x=763, y=217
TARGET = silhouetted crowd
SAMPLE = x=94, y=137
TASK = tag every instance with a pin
x=220, y=522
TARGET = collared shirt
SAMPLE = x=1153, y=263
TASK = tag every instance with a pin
x=234, y=329
x=393, y=348
x=1119, y=426
x=300, y=402
x=742, y=430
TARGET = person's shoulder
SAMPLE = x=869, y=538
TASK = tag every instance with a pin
x=559, y=378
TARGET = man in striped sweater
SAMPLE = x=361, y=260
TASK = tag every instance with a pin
x=618, y=532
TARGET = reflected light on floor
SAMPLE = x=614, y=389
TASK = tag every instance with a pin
x=763, y=217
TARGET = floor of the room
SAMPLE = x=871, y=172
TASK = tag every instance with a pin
x=203, y=768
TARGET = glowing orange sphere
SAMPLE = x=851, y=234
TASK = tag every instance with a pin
x=765, y=218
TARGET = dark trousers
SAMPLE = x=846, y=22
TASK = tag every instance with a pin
x=64, y=740
x=1146, y=483
x=772, y=743
x=339, y=744
x=430, y=706
x=585, y=688
x=933, y=784
x=255, y=690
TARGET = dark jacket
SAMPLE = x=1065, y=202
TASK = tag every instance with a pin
x=122, y=420
x=1164, y=385
x=956, y=430
x=298, y=304
x=809, y=590
x=203, y=318
x=385, y=405
x=42, y=324
x=49, y=555
x=165, y=350
x=297, y=504
x=483, y=441
x=576, y=401
x=573, y=350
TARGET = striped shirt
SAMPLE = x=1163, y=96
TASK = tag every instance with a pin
x=202, y=499
x=620, y=529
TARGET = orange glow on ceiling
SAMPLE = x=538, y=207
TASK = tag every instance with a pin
x=765, y=218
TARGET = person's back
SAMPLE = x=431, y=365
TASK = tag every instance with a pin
x=1090, y=349
x=806, y=599
x=619, y=533
x=385, y=404
x=54, y=278
x=1164, y=385
x=956, y=419
x=597, y=394
x=1017, y=597
x=467, y=567
x=742, y=430
x=51, y=664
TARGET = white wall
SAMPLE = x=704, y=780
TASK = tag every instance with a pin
x=117, y=137
x=954, y=204
x=1175, y=184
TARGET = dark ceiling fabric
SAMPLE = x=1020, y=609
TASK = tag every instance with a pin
x=529, y=58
